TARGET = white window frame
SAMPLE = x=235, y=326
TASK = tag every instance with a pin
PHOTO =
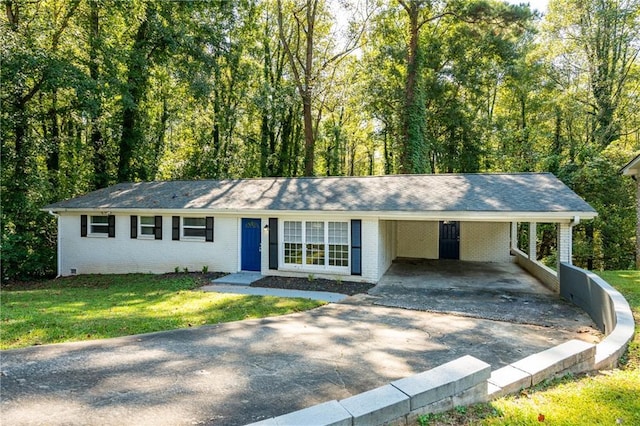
x=183, y=227
x=91, y=224
x=143, y=236
x=326, y=267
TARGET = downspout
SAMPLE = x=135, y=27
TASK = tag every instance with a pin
x=574, y=222
x=59, y=248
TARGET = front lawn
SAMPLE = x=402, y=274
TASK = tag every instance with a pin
x=89, y=307
x=605, y=398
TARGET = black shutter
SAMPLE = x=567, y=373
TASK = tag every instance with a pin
x=157, y=229
x=356, y=247
x=83, y=225
x=112, y=226
x=273, y=243
x=208, y=235
x=175, y=228
x=134, y=226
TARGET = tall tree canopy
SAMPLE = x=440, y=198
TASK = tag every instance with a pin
x=103, y=91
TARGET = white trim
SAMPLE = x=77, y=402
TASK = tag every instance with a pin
x=632, y=167
x=142, y=236
x=90, y=225
x=192, y=238
x=466, y=216
x=239, y=237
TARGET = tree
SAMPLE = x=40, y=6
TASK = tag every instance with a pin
x=599, y=39
x=311, y=54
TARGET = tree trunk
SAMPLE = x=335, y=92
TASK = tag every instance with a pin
x=53, y=159
x=134, y=92
x=100, y=166
x=309, y=142
x=411, y=129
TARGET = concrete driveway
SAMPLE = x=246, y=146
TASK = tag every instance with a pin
x=497, y=291
x=237, y=373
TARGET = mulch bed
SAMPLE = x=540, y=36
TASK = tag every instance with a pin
x=316, y=284
x=201, y=278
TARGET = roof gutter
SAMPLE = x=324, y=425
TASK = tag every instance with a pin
x=478, y=216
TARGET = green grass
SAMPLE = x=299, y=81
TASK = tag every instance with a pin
x=100, y=306
x=605, y=398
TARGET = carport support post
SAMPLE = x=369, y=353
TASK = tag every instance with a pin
x=533, y=241
x=564, y=243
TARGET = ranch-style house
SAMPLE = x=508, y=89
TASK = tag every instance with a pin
x=346, y=227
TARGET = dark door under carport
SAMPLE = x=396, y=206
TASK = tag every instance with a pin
x=449, y=240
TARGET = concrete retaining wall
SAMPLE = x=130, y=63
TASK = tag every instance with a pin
x=468, y=380
x=606, y=306
x=546, y=275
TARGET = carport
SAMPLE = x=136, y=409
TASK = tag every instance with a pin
x=499, y=291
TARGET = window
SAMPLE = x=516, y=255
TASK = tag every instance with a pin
x=147, y=226
x=194, y=227
x=191, y=228
x=292, y=242
x=316, y=243
x=99, y=225
x=338, y=244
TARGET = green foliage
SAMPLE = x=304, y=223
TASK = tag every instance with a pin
x=89, y=307
x=98, y=92
x=608, y=241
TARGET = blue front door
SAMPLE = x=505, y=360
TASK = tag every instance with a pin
x=250, y=245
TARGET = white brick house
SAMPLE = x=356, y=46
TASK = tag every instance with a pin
x=347, y=227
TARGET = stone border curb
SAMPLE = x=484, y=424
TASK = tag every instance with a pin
x=447, y=385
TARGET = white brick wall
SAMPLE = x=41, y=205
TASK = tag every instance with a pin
x=370, y=249
x=386, y=244
x=485, y=241
x=122, y=254
x=382, y=241
x=418, y=239
x=564, y=233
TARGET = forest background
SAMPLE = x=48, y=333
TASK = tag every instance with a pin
x=99, y=92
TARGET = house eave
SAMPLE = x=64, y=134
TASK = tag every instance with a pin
x=632, y=168
x=468, y=216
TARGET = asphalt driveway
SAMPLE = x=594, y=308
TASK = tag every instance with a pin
x=237, y=373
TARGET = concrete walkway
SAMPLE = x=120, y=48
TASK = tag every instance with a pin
x=239, y=278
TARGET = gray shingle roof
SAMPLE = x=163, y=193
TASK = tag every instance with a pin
x=519, y=192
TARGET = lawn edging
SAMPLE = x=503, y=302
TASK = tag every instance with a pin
x=459, y=382
x=468, y=380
